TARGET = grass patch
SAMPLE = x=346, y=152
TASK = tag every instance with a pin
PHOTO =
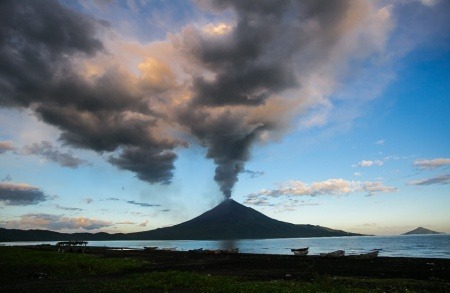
x=17, y=262
x=28, y=270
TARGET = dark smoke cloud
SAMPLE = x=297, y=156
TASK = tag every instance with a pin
x=229, y=96
x=228, y=140
x=150, y=165
x=41, y=44
x=257, y=59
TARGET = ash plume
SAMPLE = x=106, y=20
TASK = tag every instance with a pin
x=228, y=85
x=256, y=59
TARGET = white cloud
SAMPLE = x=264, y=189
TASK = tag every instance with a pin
x=55, y=222
x=429, y=3
x=432, y=164
x=369, y=163
x=333, y=187
x=380, y=142
x=125, y=223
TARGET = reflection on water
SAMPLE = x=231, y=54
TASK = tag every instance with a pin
x=432, y=246
x=228, y=244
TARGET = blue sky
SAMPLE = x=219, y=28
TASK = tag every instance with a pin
x=125, y=116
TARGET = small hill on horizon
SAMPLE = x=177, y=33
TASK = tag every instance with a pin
x=228, y=220
x=421, y=231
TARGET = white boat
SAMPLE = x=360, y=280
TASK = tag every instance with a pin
x=369, y=255
x=300, y=251
x=337, y=253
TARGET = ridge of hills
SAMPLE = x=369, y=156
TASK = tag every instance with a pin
x=228, y=220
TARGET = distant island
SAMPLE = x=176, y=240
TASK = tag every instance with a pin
x=421, y=231
x=228, y=220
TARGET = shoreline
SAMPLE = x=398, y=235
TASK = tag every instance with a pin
x=137, y=249
x=273, y=266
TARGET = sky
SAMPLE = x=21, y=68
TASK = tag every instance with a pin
x=124, y=116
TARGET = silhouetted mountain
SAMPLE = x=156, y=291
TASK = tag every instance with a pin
x=7, y=235
x=421, y=230
x=231, y=220
x=228, y=220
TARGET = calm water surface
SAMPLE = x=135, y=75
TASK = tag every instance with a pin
x=432, y=246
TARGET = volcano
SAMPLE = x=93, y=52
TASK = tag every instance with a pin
x=228, y=220
x=232, y=220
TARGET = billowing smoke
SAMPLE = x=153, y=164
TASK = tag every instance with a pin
x=229, y=85
x=246, y=63
x=42, y=44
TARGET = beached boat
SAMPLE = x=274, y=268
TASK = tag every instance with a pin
x=300, y=251
x=369, y=255
x=231, y=250
x=169, y=249
x=337, y=253
x=150, y=248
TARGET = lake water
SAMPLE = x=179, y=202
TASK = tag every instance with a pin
x=426, y=246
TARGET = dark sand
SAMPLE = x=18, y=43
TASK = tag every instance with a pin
x=267, y=267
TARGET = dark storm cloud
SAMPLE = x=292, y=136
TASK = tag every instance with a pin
x=248, y=63
x=151, y=165
x=12, y=194
x=47, y=151
x=37, y=38
x=256, y=58
x=42, y=44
